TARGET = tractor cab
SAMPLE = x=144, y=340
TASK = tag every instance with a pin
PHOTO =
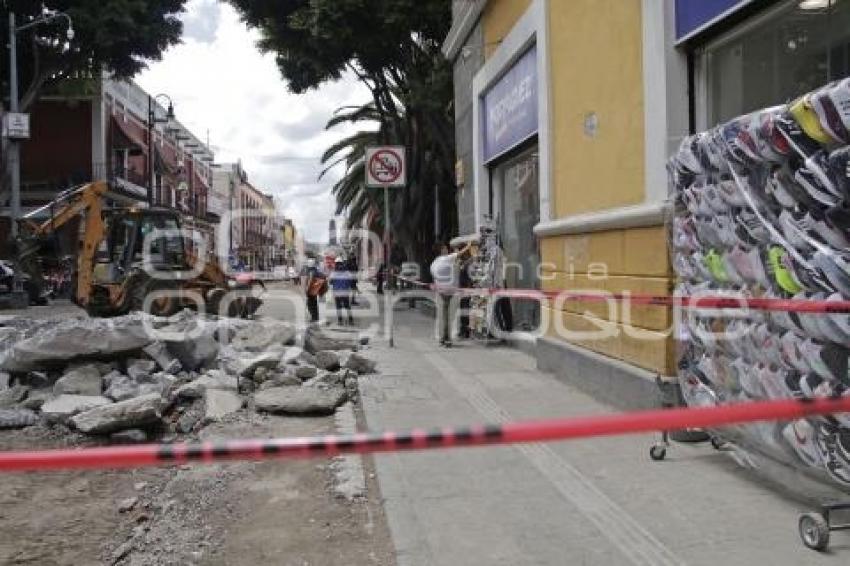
x=140, y=239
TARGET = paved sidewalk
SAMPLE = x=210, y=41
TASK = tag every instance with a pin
x=600, y=501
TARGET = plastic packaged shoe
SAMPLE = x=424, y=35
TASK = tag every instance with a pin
x=751, y=384
x=683, y=266
x=828, y=116
x=825, y=231
x=840, y=320
x=815, y=188
x=840, y=96
x=781, y=270
x=754, y=227
x=759, y=127
x=685, y=234
x=771, y=137
x=839, y=166
x=715, y=264
x=687, y=159
x=828, y=361
x=800, y=435
x=740, y=144
x=729, y=192
x=810, y=383
x=794, y=231
x=714, y=200
x=772, y=381
x=803, y=145
x=830, y=266
x=826, y=440
x=695, y=391
x=784, y=178
x=804, y=113
x=789, y=347
x=775, y=188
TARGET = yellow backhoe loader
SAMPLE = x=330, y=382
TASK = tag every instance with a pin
x=132, y=259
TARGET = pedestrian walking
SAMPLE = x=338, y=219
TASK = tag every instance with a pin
x=342, y=283
x=445, y=270
x=315, y=286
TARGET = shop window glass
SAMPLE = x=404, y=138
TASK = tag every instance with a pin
x=802, y=46
x=519, y=212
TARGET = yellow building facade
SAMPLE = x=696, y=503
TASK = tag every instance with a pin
x=604, y=123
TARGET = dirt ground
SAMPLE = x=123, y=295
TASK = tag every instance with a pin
x=239, y=513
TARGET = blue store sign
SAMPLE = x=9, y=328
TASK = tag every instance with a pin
x=693, y=16
x=509, y=108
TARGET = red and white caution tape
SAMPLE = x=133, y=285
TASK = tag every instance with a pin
x=420, y=439
x=686, y=302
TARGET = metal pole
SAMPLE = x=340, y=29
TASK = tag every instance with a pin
x=14, y=147
x=150, y=150
x=388, y=300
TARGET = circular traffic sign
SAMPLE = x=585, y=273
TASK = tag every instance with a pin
x=385, y=166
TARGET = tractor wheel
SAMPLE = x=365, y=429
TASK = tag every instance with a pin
x=161, y=305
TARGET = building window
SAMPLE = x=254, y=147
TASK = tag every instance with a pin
x=793, y=49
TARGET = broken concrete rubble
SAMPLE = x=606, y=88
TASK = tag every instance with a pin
x=317, y=339
x=17, y=418
x=219, y=404
x=80, y=380
x=132, y=387
x=306, y=372
x=64, y=407
x=300, y=400
x=262, y=336
x=361, y=364
x=138, y=369
x=133, y=413
x=122, y=387
x=12, y=396
x=76, y=338
x=327, y=359
x=36, y=398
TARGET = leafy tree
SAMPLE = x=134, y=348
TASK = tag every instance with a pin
x=118, y=36
x=393, y=47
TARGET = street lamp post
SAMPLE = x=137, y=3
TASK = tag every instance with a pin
x=152, y=121
x=14, y=147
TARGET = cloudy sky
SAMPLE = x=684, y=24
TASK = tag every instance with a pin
x=220, y=83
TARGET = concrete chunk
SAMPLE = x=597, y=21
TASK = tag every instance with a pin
x=81, y=380
x=65, y=406
x=300, y=400
x=219, y=404
x=133, y=413
x=12, y=396
x=327, y=359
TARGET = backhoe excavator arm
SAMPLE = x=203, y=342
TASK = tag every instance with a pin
x=89, y=200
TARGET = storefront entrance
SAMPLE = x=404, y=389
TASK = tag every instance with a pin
x=517, y=208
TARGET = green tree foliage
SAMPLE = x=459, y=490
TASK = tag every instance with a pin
x=118, y=36
x=393, y=47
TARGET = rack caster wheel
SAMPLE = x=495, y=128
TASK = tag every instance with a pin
x=658, y=452
x=814, y=531
x=717, y=443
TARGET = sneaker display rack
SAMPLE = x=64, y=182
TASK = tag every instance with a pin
x=762, y=209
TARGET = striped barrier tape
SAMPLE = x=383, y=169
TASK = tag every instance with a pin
x=420, y=439
x=686, y=302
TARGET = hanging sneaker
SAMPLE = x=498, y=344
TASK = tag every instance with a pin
x=828, y=116
x=840, y=96
x=800, y=435
x=831, y=267
x=815, y=188
x=839, y=166
x=789, y=344
x=729, y=192
x=840, y=320
x=804, y=113
x=826, y=440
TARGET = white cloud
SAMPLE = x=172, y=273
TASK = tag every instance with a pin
x=221, y=84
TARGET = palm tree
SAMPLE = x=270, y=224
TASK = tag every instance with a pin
x=429, y=148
